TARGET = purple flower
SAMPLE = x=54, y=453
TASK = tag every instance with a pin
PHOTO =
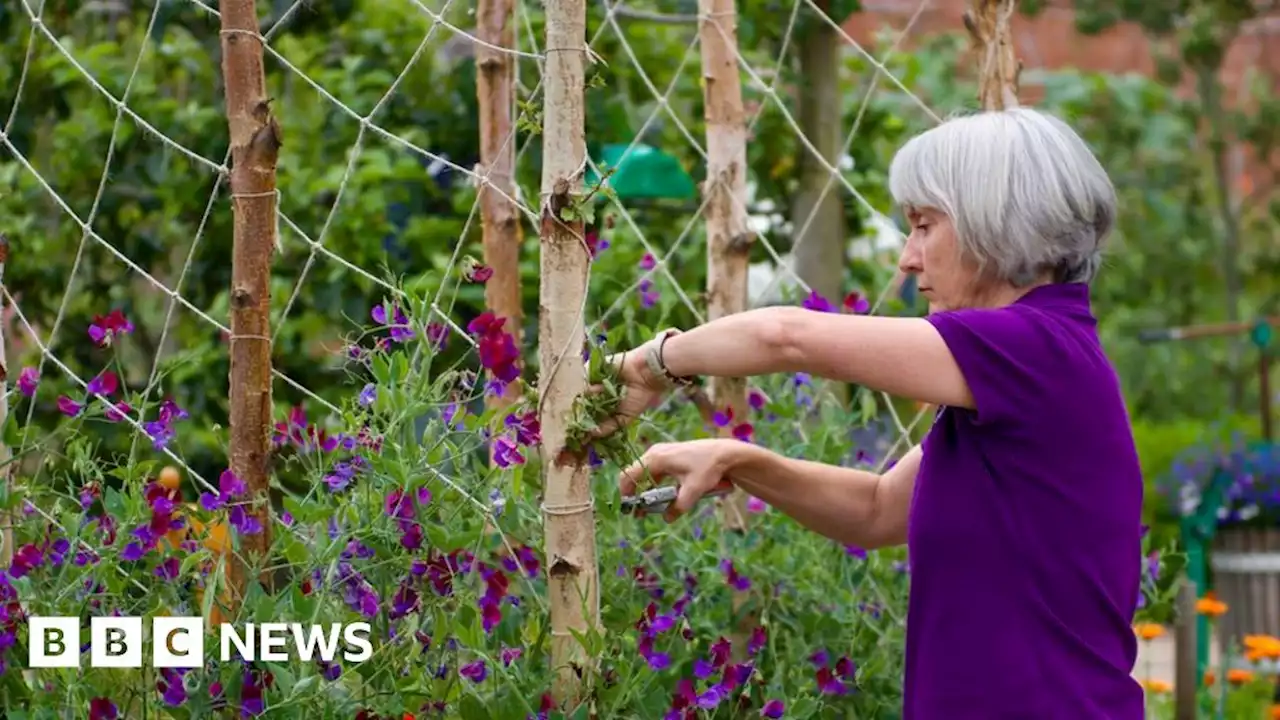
x=817, y=302
x=344, y=472
x=168, y=570
x=244, y=522
x=711, y=698
x=399, y=329
x=161, y=430
x=655, y=660
x=368, y=395
x=27, y=381
x=648, y=296
x=505, y=452
x=733, y=577
x=170, y=687
x=510, y=655
x=772, y=709
x=476, y=671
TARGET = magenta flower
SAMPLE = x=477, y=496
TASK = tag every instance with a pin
x=101, y=708
x=105, y=384
x=496, y=346
x=252, y=687
x=648, y=262
x=855, y=303
x=733, y=577
x=510, y=655
x=69, y=407
x=169, y=569
x=117, y=411
x=27, y=381
x=480, y=273
x=528, y=429
x=104, y=329
x=27, y=558
x=437, y=335
x=772, y=709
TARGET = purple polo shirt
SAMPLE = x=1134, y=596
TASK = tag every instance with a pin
x=1024, y=533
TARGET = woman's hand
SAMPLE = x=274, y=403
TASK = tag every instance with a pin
x=641, y=391
x=697, y=466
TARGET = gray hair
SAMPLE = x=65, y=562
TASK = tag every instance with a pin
x=1023, y=191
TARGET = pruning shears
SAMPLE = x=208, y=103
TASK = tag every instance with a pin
x=657, y=500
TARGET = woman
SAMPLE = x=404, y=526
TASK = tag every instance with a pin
x=1021, y=509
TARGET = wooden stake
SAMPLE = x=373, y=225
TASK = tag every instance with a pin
x=255, y=143
x=990, y=23
x=495, y=88
x=8, y=517
x=573, y=578
x=728, y=237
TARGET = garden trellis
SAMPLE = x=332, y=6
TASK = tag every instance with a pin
x=370, y=460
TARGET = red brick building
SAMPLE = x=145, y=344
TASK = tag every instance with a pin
x=1050, y=42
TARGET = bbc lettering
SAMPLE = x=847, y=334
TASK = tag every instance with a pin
x=178, y=642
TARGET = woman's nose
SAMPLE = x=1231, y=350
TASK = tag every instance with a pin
x=909, y=260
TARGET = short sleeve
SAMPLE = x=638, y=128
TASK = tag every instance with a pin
x=1006, y=356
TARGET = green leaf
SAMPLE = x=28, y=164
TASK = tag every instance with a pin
x=470, y=708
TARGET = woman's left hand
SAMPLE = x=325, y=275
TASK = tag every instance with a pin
x=697, y=466
x=640, y=390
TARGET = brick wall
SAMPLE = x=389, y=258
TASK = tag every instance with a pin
x=1050, y=42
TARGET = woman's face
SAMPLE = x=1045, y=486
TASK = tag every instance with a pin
x=945, y=279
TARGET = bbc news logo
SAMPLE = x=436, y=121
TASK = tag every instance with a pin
x=178, y=642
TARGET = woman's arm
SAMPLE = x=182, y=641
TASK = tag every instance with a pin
x=851, y=506
x=905, y=357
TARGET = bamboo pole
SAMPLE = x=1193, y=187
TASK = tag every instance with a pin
x=255, y=144
x=990, y=23
x=499, y=216
x=573, y=579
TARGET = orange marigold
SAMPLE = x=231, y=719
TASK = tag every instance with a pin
x=1148, y=631
x=1261, y=647
x=1157, y=686
x=1211, y=607
x=1239, y=676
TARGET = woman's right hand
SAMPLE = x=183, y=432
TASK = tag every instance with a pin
x=697, y=466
